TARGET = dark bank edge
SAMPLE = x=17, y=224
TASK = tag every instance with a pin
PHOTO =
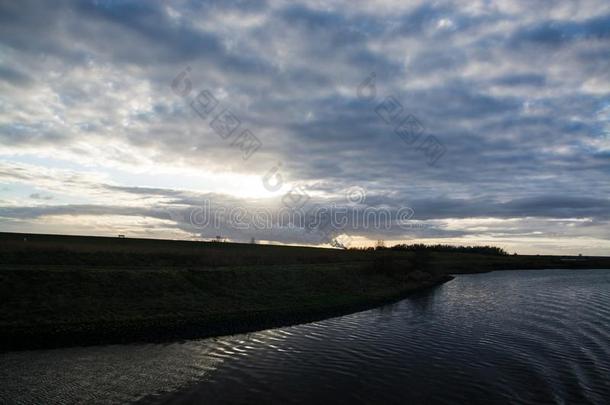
x=176, y=329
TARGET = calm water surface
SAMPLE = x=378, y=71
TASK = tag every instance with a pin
x=503, y=337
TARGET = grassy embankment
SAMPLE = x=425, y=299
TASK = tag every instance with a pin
x=59, y=290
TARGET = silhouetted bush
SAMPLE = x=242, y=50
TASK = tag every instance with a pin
x=486, y=250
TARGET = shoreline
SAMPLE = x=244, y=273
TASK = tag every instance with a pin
x=528, y=269
x=61, y=291
x=179, y=329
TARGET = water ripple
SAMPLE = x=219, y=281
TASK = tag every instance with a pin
x=503, y=337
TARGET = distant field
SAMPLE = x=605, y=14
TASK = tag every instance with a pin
x=63, y=250
x=64, y=290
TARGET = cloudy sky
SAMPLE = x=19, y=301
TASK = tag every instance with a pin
x=487, y=121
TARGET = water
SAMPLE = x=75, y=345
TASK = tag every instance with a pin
x=507, y=337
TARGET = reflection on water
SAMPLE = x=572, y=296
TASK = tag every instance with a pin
x=521, y=337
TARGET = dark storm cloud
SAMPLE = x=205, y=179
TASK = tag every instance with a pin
x=14, y=77
x=148, y=24
x=418, y=20
x=556, y=33
x=71, y=210
x=540, y=206
x=544, y=206
x=530, y=79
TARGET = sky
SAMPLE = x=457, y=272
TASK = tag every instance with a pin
x=459, y=122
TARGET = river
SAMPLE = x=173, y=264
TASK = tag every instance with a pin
x=503, y=337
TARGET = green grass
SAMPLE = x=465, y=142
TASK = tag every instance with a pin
x=64, y=290
x=38, y=295
x=70, y=305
